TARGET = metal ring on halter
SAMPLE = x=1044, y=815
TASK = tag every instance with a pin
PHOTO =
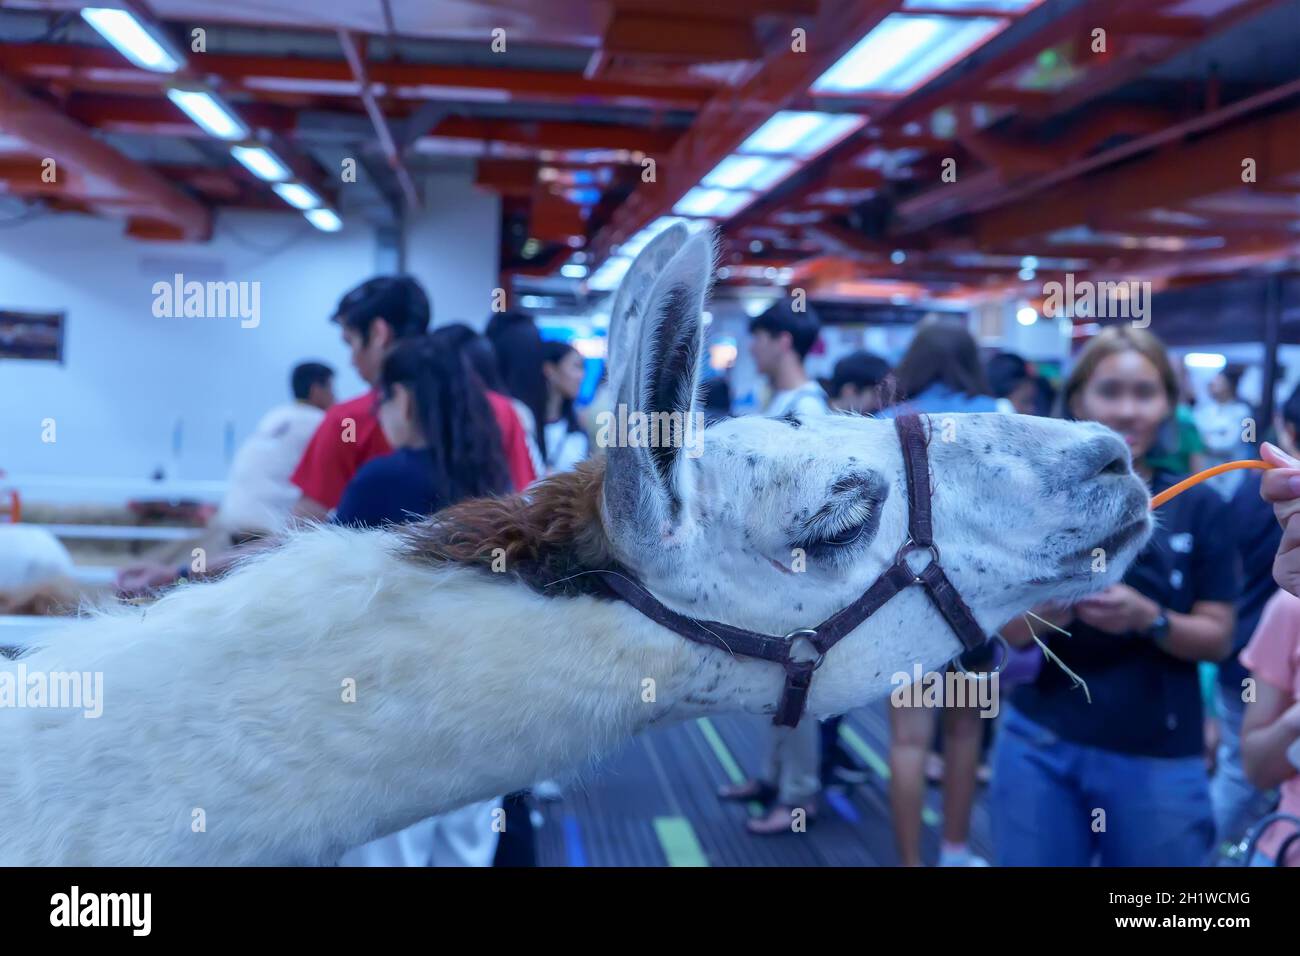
x=909, y=546
x=807, y=634
x=996, y=639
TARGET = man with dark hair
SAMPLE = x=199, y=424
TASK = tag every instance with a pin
x=780, y=340
x=372, y=316
x=1014, y=383
x=860, y=383
x=313, y=384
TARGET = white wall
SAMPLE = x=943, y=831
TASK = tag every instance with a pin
x=453, y=247
x=129, y=377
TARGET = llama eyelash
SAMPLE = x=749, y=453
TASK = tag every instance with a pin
x=828, y=530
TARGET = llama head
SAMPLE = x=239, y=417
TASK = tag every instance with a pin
x=776, y=524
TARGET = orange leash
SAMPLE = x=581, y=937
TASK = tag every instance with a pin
x=1174, y=491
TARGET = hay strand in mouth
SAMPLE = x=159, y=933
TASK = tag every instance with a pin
x=1047, y=651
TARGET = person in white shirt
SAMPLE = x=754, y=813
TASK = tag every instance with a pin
x=791, y=776
x=564, y=439
x=779, y=341
x=36, y=574
x=1222, y=423
x=259, y=495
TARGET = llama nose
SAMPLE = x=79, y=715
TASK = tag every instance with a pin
x=1105, y=455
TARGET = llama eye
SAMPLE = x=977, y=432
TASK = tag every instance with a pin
x=846, y=536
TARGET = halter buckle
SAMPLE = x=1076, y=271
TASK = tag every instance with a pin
x=805, y=634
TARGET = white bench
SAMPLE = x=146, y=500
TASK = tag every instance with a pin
x=118, y=532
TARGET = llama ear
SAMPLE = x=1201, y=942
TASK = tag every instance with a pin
x=662, y=338
x=632, y=298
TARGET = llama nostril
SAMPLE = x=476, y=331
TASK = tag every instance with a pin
x=1116, y=466
x=1103, y=456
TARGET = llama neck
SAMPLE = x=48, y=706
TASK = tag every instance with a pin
x=230, y=701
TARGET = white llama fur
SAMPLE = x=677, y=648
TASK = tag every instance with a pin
x=227, y=697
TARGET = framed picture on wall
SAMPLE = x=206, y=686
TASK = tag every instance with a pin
x=31, y=335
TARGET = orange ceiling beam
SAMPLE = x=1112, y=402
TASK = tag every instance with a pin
x=154, y=115
x=509, y=177
x=731, y=9
x=89, y=65
x=1206, y=166
x=558, y=135
x=133, y=188
x=708, y=40
x=555, y=219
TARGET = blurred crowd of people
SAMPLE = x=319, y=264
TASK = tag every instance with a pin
x=1192, y=662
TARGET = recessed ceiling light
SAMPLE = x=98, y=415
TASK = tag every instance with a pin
x=904, y=51
x=800, y=133
x=213, y=116
x=143, y=44
x=326, y=220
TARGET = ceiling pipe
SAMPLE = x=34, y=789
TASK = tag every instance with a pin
x=386, y=141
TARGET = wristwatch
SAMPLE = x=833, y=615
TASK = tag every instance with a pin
x=1159, y=629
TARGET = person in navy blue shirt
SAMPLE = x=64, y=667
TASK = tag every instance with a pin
x=435, y=414
x=1123, y=780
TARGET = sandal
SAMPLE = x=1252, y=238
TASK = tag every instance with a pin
x=756, y=790
x=780, y=819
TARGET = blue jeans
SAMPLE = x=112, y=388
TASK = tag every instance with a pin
x=1235, y=799
x=1057, y=803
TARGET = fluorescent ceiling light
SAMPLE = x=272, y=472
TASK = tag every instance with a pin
x=297, y=195
x=800, y=133
x=210, y=113
x=261, y=162
x=326, y=220
x=610, y=273
x=1205, y=360
x=722, y=203
x=749, y=172
x=144, y=47
x=904, y=51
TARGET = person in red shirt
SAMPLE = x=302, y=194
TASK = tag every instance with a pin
x=373, y=316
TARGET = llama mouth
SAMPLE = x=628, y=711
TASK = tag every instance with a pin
x=1115, y=542
x=1079, y=564
x=1120, y=539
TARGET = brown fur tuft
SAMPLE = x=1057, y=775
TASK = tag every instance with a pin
x=544, y=538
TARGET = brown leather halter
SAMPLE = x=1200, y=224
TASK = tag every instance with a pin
x=799, y=665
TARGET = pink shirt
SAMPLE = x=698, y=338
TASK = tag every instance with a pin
x=1273, y=658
